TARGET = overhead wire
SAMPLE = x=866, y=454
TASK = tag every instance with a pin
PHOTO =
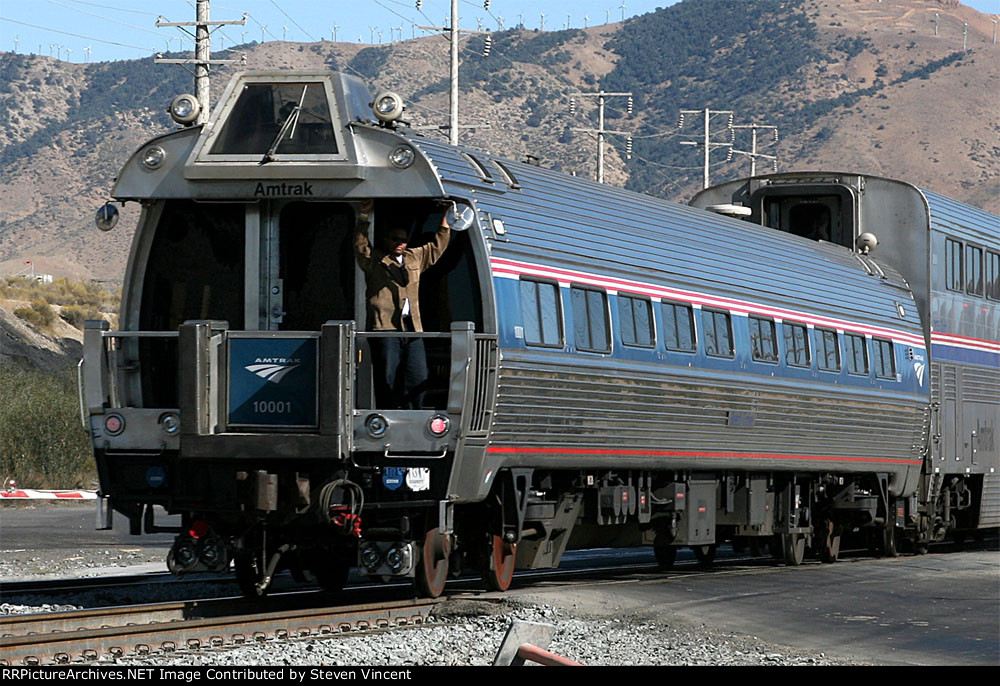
x=77, y=35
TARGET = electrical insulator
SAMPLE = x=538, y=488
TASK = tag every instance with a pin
x=486, y=5
x=680, y=122
x=420, y=3
x=630, y=104
x=487, y=44
x=572, y=105
x=729, y=155
x=628, y=148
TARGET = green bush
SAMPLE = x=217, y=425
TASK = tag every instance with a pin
x=40, y=314
x=42, y=444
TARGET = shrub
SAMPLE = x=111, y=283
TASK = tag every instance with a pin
x=42, y=444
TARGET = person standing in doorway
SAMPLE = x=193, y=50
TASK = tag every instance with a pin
x=392, y=286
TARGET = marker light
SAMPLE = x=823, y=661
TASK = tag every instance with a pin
x=114, y=424
x=438, y=425
x=184, y=109
x=153, y=156
x=402, y=156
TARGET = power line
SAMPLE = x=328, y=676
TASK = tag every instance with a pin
x=77, y=35
x=292, y=20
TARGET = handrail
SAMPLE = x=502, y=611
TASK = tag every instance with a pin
x=139, y=334
x=79, y=388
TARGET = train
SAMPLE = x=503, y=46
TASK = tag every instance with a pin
x=786, y=360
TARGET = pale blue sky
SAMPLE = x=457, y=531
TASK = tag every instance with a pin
x=125, y=29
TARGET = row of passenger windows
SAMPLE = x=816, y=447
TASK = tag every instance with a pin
x=965, y=270
x=542, y=321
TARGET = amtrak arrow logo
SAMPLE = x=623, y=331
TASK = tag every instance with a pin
x=271, y=372
x=919, y=368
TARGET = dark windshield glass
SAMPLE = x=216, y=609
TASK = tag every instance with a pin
x=299, y=112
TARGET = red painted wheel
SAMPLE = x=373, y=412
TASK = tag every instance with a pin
x=432, y=567
x=498, y=566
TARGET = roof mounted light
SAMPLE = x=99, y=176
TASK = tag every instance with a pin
x=184, y=109
x=388, y=107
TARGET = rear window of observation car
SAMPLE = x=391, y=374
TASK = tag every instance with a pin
x=255, y=122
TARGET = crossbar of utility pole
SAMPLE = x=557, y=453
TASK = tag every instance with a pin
x=708, y=144
x=600, y=130
x=752, y=153
x=202, y=53
x=454, y=32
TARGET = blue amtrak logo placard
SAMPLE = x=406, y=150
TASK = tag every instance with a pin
x=273, y=382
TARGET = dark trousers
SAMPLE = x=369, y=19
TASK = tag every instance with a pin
x=399, y=366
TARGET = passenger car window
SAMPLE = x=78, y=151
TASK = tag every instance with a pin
x=636, y=317
x=718, y=333
x=678, y=327
x=796, y=344
x=953, y=265
x=993, y=276
x=590, y=320
x=763, y=342
x=855, y=354
x=827, y=350
x=974, y=270
x=540, y=313
x=883, y=360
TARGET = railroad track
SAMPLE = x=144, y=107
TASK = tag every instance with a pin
x=89, y=635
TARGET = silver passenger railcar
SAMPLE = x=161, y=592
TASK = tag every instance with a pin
x=606, y=368
x=949, y=254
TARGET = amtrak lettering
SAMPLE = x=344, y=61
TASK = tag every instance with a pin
x=278, y=190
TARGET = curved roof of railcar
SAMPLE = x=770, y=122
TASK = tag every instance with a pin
x=962, y=221
x=578, y=224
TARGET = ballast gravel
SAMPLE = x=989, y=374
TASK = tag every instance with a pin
x=470, y=634
x=462, y=633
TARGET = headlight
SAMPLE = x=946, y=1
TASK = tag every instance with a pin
x=170, y=423
x=184, y=109
x=371, y=558
x=402, y=156
x=153, y=156
x=388, y=107
x=376, y=425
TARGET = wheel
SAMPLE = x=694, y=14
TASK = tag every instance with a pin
x=665, y=555
x=829, y=543
x=739, y=544
x=497, y=565
x=793, y=547
x=432, y=565
x=250, y=574
x=754, y=545
x=890, y=542
x=705, y=554
x=331, y=575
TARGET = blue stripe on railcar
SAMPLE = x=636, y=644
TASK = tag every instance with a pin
x=911, y=376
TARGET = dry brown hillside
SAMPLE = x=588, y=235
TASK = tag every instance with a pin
x=912, y=106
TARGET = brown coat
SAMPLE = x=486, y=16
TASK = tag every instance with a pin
x=388, y=284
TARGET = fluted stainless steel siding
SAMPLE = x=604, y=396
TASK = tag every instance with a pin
x=577, y=410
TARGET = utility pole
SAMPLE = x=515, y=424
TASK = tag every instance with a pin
x=752, y=153
x=965, y=35
x=453, y=125
x=202, y=53
x=600, y=130
x=709, y=145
